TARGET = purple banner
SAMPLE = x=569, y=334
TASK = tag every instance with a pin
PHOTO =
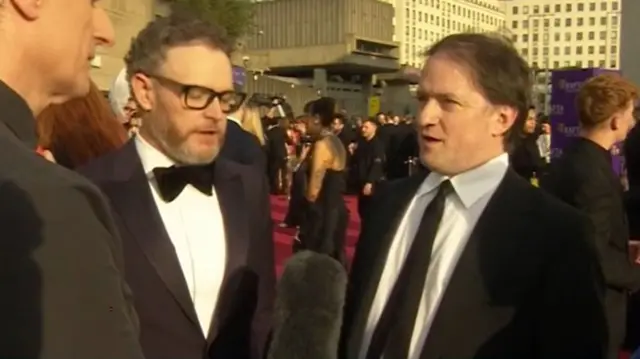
x=565, y=85
x=239, y=76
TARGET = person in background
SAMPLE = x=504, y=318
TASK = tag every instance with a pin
x=63, y=285
x=123, y=105
x=544, y=140
x=252, y=123
x=525, y=158
x=80, y=130
x=583, y=177
x=368, y=165
x=240, y=145
x=296, y=207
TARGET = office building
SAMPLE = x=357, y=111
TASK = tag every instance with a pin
x=553, y=34
x=420, y=23
x=629, y=44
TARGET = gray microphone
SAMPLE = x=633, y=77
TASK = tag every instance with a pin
x=308, y=309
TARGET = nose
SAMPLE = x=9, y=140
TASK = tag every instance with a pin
x=429, y=113
x=214, y=111
x=103, y=31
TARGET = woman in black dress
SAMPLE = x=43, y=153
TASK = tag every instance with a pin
x=325, y=217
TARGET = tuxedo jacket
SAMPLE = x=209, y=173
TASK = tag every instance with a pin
x=583, y=177
x=243, y=147
x=168, y=323
x=527, y=284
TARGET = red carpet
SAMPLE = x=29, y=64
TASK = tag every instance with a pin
x=284, y=236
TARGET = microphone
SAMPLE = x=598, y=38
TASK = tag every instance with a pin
x=308, y=308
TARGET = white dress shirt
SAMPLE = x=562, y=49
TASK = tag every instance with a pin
x=473, y=189
x=195, y=225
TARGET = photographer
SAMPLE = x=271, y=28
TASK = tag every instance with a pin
x=276, y=143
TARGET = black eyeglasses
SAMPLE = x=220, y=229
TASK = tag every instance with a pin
x=195, y=97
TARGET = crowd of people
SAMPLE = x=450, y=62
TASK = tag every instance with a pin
x=143, y=229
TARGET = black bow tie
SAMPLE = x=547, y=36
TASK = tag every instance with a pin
x=172, y=180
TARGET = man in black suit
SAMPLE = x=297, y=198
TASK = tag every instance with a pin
x=62, y=281
x=197, y=227
x=473, y=261
x=241, y=146
x=584, y=178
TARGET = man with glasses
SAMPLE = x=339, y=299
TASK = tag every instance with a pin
x=62, y=281
x=197, y=227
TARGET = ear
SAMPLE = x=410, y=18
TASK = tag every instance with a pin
x=30, y=9
x=614, y=123
x=505, y=117
x=142, y=91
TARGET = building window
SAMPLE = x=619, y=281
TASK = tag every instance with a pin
x=556, y=51
x=514, y=38
x=614, y=49
x=546, y=22
x=614, y=64
x=603, y=6
x=614, y=6
x=535, y=38
x=590, y=63
x=601, y=63
x=579, y=36
x=579, y=50
x=525, y=10
x=536, y=9
x=567, y=50
x=592, y=35
x=546, y=9
x=556, y=64
x=545, y=51
x=603, y=20
x=525, y=52
x=603, y=35
x=580, y=7
x=614, y=34
x=557, y=8
x=535, y=51
x=525, y=24
x=579, y=64
x=567, y=36
x=614, y=21
x=592, y=6
x=591, y=50
x=536, y=23
x=602, y=50
x=592, y=21
x=567, y=22
x=525, y=37
x=556, y=22
x=568, y=8
x=556, y=36
x=580, y=22
x=514, y=24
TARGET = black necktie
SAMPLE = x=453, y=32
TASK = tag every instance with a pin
x=392, y=336
x=172, y=180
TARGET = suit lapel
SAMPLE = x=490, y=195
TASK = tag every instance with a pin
x=229, y=187
x=373, y=256
x=132, y=199
x=470, y=286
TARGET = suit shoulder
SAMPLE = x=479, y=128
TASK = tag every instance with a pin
x=99, y=167
x=554, y=214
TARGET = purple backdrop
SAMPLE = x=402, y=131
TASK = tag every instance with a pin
x=239, y=76
x=565, y=85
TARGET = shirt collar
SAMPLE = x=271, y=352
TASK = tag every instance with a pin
x=150, y=157
x=17, y=116
x=234, y=120
x=471, y=185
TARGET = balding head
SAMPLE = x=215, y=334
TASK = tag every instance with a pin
x=47, y=46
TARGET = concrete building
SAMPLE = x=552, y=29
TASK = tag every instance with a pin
x=629, y=42
x=128, y=18
x=561, y=33
x=419, y=23
x=335, y=47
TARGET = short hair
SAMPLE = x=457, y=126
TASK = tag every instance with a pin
x=341, y=118
x=601, y=96
x=497, y=69
x=325, y=109
x=148, y=50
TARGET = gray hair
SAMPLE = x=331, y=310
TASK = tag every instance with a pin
x=148, y=49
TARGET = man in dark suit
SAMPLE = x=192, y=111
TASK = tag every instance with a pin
x=584, y=178
x=196, y=227
x=241, y=146
x=474, y=262
x=62, y=281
